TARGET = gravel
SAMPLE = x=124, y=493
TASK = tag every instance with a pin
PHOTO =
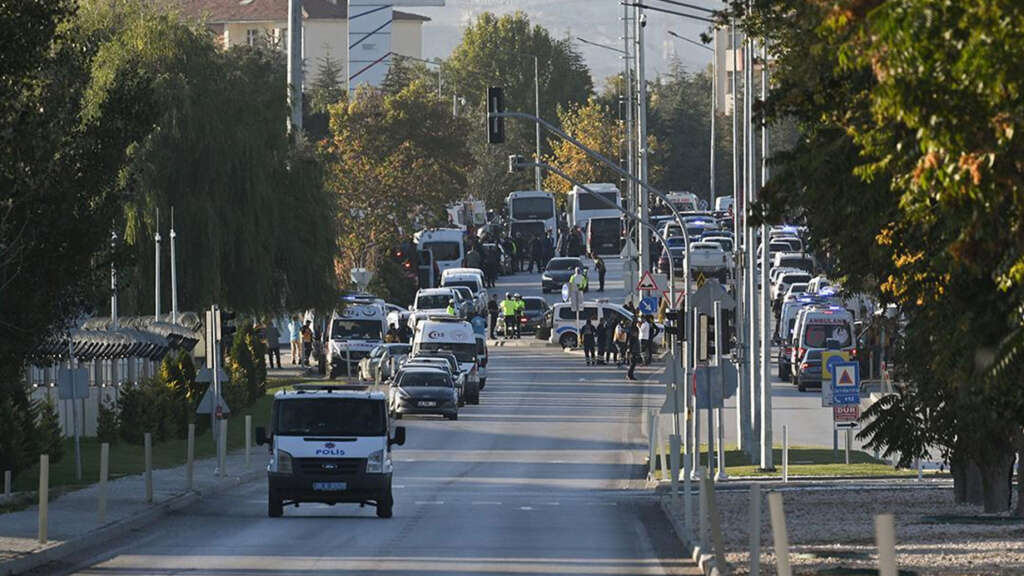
x=834, y=529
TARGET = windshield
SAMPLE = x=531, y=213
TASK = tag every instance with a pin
x=473, y=286
x=346, y=329
x=605, y=226
x=535, y=304
x=826, y=336
x=443, y=250
x=329, y=417
x=796, y=262
x=586, y=200
x=432, y=379
x=533, y=208
x=562, y=264
x=463, y=352
x=429, y=301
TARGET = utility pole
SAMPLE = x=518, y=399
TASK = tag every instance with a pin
x=295, y=64
x=536, y=112
x=174, y=275
x=742, y=393
x=643, y=243
x=766, y=384
x=714, y=109
x=156, y=269
x=628, y=83
x=751, y=239
x=113, y=282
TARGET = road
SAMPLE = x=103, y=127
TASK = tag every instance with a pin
x=544, y=477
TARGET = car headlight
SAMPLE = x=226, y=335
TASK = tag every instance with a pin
x=375, y=462
x=545, y=277
x=284, y=462
x=403, y=394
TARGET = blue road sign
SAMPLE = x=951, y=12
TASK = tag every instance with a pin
x=648, y=305
x=565, y=292
x=845, y=383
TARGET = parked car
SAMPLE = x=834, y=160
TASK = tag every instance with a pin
x=558, y=271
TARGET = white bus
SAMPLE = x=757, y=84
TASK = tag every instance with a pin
x=531, y=213
x=445, y=245
x=583, y=205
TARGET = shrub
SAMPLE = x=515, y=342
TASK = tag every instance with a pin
x=51, y=437
x=107, y=422
x=178, y=374
x=147, y=407
x=19, y=441
x=247, y=365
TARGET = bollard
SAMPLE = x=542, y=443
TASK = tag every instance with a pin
x=660, y=450
x=918, y=469
x=673, y=457
x=44, y=495
x=223, y=447
x=148, y=456
x=848, y=441
x=716, y=526
x=785, y=453
x=190, y=456
x=702, y=512
x=652, y=454
x=248, y=438
x=720, y=424
x=779, y=535
x=687, y=497
x=755, y=529
x=101, y=512
x=885, y=539
x=7, y=484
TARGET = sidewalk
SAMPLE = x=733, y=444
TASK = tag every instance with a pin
x=73, y=523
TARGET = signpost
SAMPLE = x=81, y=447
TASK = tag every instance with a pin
x=648, y=305
x=647, y=283
x=828, y=359
x=572, y=294
x=73, y=384
x=845, y=398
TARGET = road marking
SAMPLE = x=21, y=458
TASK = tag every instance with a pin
x=433, y=502
x=526, y=508
x=486, y=503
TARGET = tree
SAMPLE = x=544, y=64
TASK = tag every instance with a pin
x=595, y=127
x=393, y=163
x=493, y=53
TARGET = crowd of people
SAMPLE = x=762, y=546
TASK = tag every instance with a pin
x=626, y=343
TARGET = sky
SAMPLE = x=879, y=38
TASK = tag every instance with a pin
x=595, y=20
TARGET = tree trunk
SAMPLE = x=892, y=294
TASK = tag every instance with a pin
x=993, y=479
x=974, y=484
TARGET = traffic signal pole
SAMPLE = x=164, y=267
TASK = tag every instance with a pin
x=643, y=240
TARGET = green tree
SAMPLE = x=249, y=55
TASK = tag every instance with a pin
x=51, y=437
x=595, y=126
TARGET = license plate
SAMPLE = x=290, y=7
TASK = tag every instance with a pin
x=330, y=486
x=428, y=404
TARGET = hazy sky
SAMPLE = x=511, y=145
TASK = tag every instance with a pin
x=595, y=20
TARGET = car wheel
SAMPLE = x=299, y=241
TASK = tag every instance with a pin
x=567, y=340
x=544, y=290
x=453, y=416
x=483, y=382
x=385, y=504
x=274, y=506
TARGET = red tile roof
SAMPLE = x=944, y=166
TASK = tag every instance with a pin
x=215, y=11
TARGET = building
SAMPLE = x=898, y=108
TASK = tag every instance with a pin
x=325, y=27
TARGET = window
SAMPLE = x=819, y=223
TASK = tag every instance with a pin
x=533, y=208
x=586, y=200
x=329, y=417
x=566, y=313
x=443, y=250
x=251, y=36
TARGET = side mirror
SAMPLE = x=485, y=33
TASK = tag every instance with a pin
x=261, y=436
x=399, y=438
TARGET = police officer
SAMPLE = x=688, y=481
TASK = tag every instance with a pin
x=508, y=311
x=450, y=310
x=520, y=313
x=579, y=279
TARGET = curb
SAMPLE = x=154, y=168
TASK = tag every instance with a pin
x=706, y=562
x=119, y=528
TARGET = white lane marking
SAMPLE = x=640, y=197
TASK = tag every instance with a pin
x=526, y=508
x=398, y=485
x=426, y=502
x=486, y=503
x=552, y=503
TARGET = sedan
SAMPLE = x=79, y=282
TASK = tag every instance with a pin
x=423, y=390
x=558, y=272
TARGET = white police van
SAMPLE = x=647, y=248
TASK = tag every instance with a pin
x=354, y=331
x=447, y=334
x=330, y=444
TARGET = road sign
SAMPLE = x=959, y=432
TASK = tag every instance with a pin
x=845, y=383
x=709, y=384
x=705, y=297
x=72, y=383
x=672, y=375
x=680, y=299
x=847, y=413
x=830, y=358
x=648, y=305
x=629, y=250
x=701, y=279
x=647, y=282
x=206, y=405
x=206, y=375
x=565, y=292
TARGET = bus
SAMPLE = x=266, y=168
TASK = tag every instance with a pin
x=583, y=205
x=531, y=213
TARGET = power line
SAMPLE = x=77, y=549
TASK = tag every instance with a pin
x=673, y=12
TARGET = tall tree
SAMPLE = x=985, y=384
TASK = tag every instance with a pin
x=596, y=128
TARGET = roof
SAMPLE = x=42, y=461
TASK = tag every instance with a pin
x=219, y=11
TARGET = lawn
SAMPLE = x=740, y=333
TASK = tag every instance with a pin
x=808, y=461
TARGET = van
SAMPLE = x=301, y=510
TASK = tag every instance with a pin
x=562, y=320
x=330, y=445
x=354, y=331
x=819, y=328
x=604, y=236
x=481, y=358
x=723, y=203
x=446, y=245
x=447, y=334
x=472, y=278
x=800, y=260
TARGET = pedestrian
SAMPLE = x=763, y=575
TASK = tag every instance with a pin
x=392, y=336
x=508, y=312
x=479, y=324
x=646, y=333
x=491, y=266
x=589, y=334
x=601, y=269
x=520, y=313
x=633, y=350
x=536, y=254
x=273, y=336
x=602, y=340
x=492, y=314
x=517, y=253
x=621, y=338
x=293, y=338
x=307, y=342
x=549, y=249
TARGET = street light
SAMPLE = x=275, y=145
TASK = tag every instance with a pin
x=714, y=95
x=536, y=112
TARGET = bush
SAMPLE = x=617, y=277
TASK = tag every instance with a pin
x=107, y=423
x=51, y=438
x=178, y=374
x=247, y=365
x=149, y=406
x=19, y=442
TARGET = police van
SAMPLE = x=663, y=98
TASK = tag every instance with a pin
x=448, y=334
x=354, y=332
x=330, y=444
x=562, y=320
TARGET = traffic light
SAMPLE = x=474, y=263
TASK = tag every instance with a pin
x=675, y=320
x=495, y=124
x=407, y=257
x=227, y=329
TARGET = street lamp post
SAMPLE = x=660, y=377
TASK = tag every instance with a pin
x=714, y=93
x=536, y=112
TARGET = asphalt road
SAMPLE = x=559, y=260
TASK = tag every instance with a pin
x=543, y=477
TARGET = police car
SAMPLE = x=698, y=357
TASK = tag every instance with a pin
x=354, y=332
x=330, y=444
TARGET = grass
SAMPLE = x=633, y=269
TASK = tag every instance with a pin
x=807, y=461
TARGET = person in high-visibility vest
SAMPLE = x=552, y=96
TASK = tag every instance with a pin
x=450, y=310
x=520, y=312
x=508, y=311
x=579, y=280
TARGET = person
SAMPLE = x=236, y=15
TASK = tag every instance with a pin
x=508, y=311
x=536, y=254
x=450, y=310
x=579, y=279
x=307, y=342
x=520, y=313
x=646, y=333
x=492, y=313
x=479, y=324
x=273, y=336
x=621, y=337
x=392, y=336
x=649, y=350
x=549, y=249
x=589, y=334
x=633, y=350
x=294, y=340
x=473, y=259
x=602, y=340
x=601, y=269
x=517, y=256
x=491, y=266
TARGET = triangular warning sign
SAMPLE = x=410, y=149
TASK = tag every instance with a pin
x=844, y=377
x=680, y=298
x=647, y=282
